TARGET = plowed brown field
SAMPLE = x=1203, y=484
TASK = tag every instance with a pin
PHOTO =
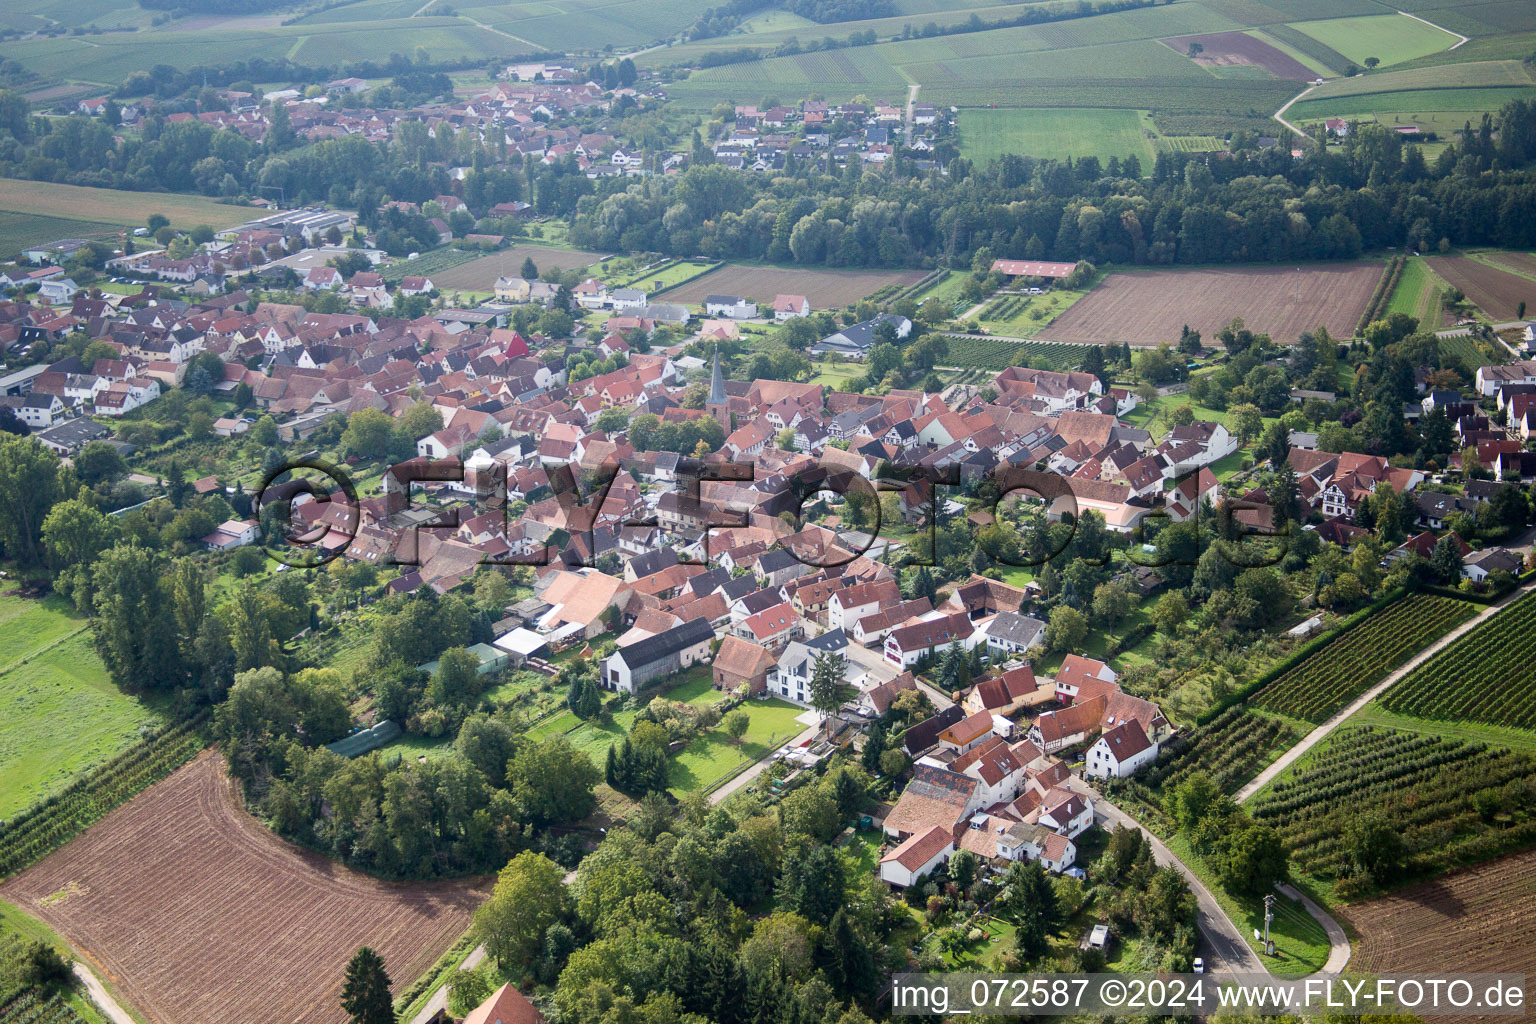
x=1482, y=919
x=1496, y=292
x=199, y=915
x=1222, y=48
x=1149, y=307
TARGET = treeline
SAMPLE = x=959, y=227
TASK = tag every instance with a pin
x=1253, y=206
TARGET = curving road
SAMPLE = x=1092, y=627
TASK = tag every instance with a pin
x=1225, y=949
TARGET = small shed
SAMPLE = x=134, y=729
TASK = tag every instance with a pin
x=521, y=644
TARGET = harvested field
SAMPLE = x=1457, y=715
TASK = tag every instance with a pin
x=1222, y=49
x=1494, y=291
x=1482, y=919
x=480, y=275
x=199, y=915
x=827, y=289
x=1145, y=308
x=1522, y=263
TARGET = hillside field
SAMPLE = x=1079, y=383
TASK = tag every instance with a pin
x=62, y=714
x=986, y=134
x=98, y=206
x=1391, y=38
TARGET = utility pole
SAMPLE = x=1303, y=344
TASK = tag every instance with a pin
x=1269, y=916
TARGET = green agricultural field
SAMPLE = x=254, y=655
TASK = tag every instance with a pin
x=18, y=231
x=987, y=134
x=1417, y=293
x=62, y=714
x=109, y=58
x=1391, y=38
x=33, y=212
x=655, y=282
x=586, y=25
x=1437, y=110
x=1474, y=74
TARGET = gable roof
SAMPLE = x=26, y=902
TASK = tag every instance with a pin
x=663, y=645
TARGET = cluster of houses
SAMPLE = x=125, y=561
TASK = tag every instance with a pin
x=978, y=786
x=532, y=110
x=834, y=134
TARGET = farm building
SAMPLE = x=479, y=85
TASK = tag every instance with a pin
x=630, y=668
x=1033, y=268
x=917, y=857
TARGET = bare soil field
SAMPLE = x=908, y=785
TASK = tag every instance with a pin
x=480, y=275
x=1482, y=919
x=1147, y=308
x=199, y=915
x=1496, y=292
x=1519, y=262
x=827, y=289
x=1227, y=48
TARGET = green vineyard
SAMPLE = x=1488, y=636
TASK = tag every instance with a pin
x=52, y=823
x=1488, y=675
x=1450, y=802
x=997, y=354
x=1232, y=748
x=1352, y=664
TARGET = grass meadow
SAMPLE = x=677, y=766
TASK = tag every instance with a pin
x=62, y=713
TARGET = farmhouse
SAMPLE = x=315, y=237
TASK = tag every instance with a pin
x=740, y=662
x=787, y=307
x=857, y=341
x=630, y=668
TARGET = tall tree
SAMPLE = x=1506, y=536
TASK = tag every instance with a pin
x=827, y=683
x=365, y=994
x=32, y=481
x=135, y=626
x=529, y=897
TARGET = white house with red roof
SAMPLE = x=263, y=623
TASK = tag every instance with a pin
x=918, y=856
x=1121, y=751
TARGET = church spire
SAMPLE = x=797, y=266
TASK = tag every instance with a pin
x=717, y=394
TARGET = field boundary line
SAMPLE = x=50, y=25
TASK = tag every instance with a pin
x=1317, y=735
x=1459, y=37
x=43, y=649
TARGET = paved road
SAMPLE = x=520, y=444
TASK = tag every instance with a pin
x=1317, y=735
x=1225, y=950
x=101, y=997
x=1338, y=938
x=1279, y=115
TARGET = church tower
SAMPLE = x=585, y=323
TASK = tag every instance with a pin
x=718, y=404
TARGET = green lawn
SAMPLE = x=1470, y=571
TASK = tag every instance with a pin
x=412, y=747
x=697, y=687
x=62, y=714
x=836, y=375
x=708, y=760
x=1391, y=38
x=986, y=134
x=1470, y=732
